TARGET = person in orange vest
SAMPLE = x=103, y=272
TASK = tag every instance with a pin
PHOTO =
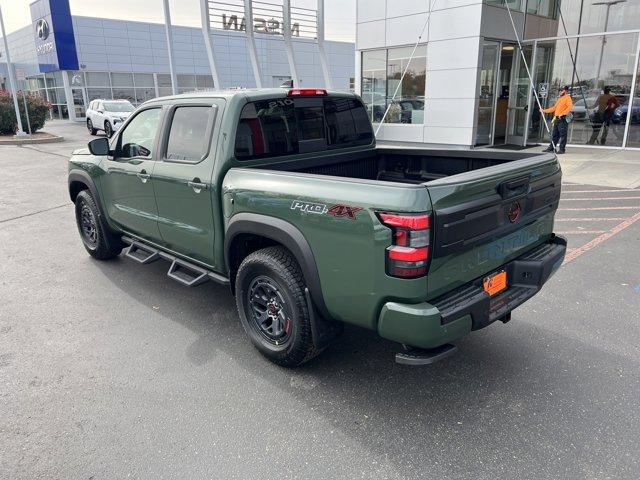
x=562, y=107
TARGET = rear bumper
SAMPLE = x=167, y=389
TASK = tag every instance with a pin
x=467, y=308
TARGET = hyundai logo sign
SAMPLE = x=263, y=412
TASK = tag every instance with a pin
x=42, y=29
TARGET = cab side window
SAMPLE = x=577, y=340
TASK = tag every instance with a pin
x=137, y=139
x=190, y=134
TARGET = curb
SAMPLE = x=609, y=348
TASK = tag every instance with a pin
x=31, y=141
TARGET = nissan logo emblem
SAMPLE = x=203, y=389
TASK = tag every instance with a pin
x=513, y=214
x=42, y=29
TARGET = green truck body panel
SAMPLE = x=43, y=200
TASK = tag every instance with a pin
x=349, y=253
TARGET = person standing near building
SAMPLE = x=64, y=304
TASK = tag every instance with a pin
x=562, y=108
x=601, y=120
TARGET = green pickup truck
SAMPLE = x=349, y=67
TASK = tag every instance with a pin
x=283, y=196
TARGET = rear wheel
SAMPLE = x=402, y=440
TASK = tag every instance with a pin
x=273, y=308
x=99, y=243
x=92, y=130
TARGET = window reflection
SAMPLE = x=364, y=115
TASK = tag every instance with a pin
x=600, y=85
x=381, y=74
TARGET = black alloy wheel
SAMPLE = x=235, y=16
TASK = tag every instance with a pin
x=88, y=225
x=108, y=129
x=270, y=315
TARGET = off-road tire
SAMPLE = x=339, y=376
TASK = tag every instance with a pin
x=92, y=131
x=100, y=244
x=279, y=267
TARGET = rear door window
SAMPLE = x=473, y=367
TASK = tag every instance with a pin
x=190, y=133
x=288, y=126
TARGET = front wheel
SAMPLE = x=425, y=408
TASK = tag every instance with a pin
x=92, y=131
x=98, y=242
x=108, y=129
x=273, y=308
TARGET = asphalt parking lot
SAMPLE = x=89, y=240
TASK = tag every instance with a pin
x=111, y=370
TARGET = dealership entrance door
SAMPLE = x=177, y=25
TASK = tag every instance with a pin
x=504, y=95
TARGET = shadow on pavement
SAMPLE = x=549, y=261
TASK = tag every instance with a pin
x=516, y=389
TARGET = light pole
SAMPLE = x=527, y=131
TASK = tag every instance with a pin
x=608, y=4
x=12, y=81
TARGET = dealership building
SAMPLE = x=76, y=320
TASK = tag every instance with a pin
x=467, y=86
x=71, y=60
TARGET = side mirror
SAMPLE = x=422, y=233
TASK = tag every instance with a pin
x=99, y=147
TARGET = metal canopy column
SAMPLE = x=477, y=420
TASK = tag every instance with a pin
x=323, y=53
x=167, y=24
x=208, y=43
x=286, y=30
x=253, y=54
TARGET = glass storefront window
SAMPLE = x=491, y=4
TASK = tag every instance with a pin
x=164, y=80
x=408, y=104
x=187, y=82
x=121, y=80
x=53, y=79
x=144, y=94
x=124, y=94
x=98, y=79
x=516, y=5
x=95, y=93
x=204, y=82
x=600, y=63
x=571, y=17
x=381, y=74
x=76, y=78
x=374, y=83
x=486, y=93
x=624, y=112
x=143, y=80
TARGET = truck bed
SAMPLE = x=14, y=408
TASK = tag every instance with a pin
x=409, y=166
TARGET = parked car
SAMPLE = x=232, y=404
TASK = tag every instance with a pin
x=107, y=115
x=620, y=114
x=581, y=108
x=283, y=196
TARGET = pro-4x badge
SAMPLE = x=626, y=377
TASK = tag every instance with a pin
x=344, y=211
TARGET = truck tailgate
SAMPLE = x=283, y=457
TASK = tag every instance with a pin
x=486, y=218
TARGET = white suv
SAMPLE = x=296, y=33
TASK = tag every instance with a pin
x=107, y=115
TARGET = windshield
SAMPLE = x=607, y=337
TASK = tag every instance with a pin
x=118, y=107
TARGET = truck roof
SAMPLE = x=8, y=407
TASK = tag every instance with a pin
x=249, y=94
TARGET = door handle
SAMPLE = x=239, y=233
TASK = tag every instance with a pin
x=197, y=185
x=143, y=176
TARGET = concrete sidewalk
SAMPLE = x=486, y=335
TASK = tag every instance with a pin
x=602, y=167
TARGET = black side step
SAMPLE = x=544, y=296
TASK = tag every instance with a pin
x=180, y=270
x=187, y=273
x=423, y=356
x=142, y=253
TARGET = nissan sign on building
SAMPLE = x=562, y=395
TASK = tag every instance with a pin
x=54, y=36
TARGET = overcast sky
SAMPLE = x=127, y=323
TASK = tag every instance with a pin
x=340, y=14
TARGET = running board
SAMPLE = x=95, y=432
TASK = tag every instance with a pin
x=425, y=356
x=141, y=253
x=187, y=273
x=182, y=271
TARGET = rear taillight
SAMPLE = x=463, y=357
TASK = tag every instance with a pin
x=408, y=256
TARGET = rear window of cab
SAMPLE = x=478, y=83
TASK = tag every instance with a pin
x=288, y=126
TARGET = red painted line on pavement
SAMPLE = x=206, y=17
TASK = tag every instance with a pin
x=573, y=254
x=597, y=219
x=600, y=198
x=595, y=208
